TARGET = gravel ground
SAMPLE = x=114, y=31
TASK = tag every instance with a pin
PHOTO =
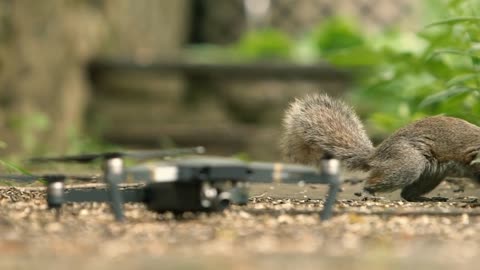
x=279, y=228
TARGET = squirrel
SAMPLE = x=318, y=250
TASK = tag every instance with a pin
x=415, y=158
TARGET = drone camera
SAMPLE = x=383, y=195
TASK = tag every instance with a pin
x=223, y=200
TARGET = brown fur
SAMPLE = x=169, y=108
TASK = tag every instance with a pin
x=416, y=158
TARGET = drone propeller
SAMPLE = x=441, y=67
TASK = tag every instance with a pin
x=147, y=154
x=47, y=177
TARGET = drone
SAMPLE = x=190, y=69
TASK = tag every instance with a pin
x=190, y=183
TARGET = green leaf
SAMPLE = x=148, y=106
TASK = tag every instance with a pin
x=450, y=51
x=462, y=78
x=444, y=95
x=453, y=21
x=13, y=167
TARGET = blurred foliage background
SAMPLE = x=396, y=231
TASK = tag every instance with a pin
x=405, y=60
x=400, y=75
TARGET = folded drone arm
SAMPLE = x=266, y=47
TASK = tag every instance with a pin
x=292, y=173
x=129, y=194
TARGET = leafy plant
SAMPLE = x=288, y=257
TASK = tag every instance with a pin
x=407, y=76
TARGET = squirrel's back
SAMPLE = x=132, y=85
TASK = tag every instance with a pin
x=446, y=138
x=317, y=124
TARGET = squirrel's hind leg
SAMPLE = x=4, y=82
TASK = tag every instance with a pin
x=415, y=191
x=434, y=174
x=395, y=168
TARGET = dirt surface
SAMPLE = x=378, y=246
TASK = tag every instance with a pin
x=278, y=229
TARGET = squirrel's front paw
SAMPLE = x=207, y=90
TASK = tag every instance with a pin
x=369, y=192
x=426, y=199
x=367, y=195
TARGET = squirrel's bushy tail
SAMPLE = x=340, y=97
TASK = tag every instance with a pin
x=317, y=124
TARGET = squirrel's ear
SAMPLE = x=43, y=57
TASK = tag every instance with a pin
x=476, y=160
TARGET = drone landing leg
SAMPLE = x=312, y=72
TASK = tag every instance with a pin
x=114, y=174
x=330, y=200
x=116, y=202
x=57, y=212
x=330, y=169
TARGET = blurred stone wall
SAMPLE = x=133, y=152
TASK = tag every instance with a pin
x=44, y=50
x=145, y=30
x=44, y=47
x=226, y=113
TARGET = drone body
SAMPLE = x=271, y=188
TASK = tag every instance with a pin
x=188, y=184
